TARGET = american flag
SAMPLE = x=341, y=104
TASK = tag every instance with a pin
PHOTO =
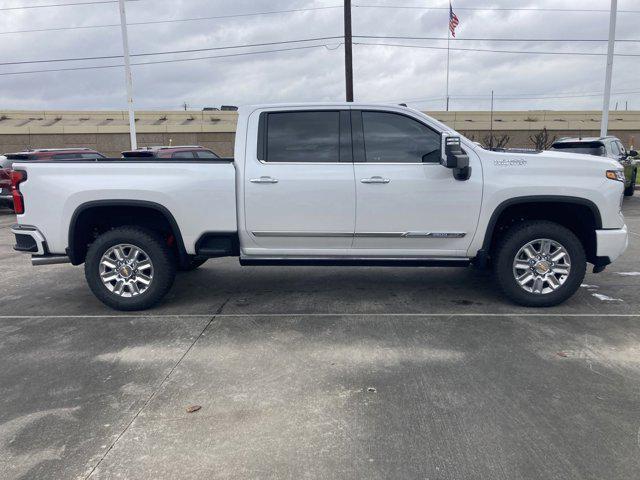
x=453, y=20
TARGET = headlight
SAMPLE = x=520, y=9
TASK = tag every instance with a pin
x=617, y=175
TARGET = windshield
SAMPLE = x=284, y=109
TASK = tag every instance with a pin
x=586, y=148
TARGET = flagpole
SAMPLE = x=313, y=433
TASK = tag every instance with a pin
x=448, y=52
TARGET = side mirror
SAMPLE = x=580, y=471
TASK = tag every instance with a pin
x=455, y=158
x=633, y=153
x=452, y=154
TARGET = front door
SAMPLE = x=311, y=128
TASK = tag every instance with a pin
x=299, y=185
x=407, y=203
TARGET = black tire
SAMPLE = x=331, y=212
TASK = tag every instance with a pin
x=194, y=262
x=164, y=269
x=515, y=239
x=629, y=191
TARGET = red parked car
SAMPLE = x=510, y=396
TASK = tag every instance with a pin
x=6, y=161
x=5, y=182
x=182, y=152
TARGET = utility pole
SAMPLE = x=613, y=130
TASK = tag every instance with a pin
x=348, y=51
x=607, y=82
x=128, y=79
x=491, y=125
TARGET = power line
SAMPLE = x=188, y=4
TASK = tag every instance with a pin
x=50, y=5
x=264, y=44
x=158, y=62
x=515, y=96
x=172, y=52
x=520, y=52
x=176, y=20
x=459, y=39
x=499, y=9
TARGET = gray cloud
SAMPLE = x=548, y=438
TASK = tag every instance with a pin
x=382, y=73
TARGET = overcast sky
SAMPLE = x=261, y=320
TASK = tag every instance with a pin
x=382, y=73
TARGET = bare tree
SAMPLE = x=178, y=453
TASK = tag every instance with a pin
x=541, y=140
x=493, y=141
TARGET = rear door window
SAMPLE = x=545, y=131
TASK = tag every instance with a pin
x=297, y=137
x=66, y=156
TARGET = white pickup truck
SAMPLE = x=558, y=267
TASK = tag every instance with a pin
x=327, y=184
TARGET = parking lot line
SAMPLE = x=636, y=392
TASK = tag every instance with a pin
x=364, y=314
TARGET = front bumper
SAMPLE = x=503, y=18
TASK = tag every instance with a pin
x=612, y=243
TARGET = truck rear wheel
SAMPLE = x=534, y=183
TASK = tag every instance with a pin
x=129, y=268
x=540, y=264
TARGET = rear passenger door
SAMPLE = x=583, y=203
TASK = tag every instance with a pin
x=299, y=184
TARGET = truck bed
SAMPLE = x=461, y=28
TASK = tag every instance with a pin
x=200, y=194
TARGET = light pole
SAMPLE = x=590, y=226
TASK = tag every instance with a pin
x=607, y=81
x=128, y=79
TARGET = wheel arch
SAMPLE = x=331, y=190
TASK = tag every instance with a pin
x=551, y=207
x=77, y=249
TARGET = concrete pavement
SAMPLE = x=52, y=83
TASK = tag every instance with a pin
x=342, y=373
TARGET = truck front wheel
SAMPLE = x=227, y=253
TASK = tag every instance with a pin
x=539, y=263
x=129, y=268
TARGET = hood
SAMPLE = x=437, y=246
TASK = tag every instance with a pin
x=610, y=163
x=567, y=159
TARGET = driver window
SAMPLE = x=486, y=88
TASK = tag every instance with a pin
x=394, y=138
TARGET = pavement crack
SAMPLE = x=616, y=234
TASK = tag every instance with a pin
x=158, y=387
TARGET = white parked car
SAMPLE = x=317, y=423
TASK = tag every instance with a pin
x=339, y=184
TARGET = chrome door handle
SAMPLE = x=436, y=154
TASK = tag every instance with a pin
x=263, y=180
x=375, y=180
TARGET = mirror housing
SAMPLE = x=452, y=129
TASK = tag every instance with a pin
x=454, y=157
x=452, y=154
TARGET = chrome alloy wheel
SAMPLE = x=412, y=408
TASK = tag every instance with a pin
x=542, y=266
x=126, y=270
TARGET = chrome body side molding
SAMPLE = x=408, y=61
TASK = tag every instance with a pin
x=360, y=234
